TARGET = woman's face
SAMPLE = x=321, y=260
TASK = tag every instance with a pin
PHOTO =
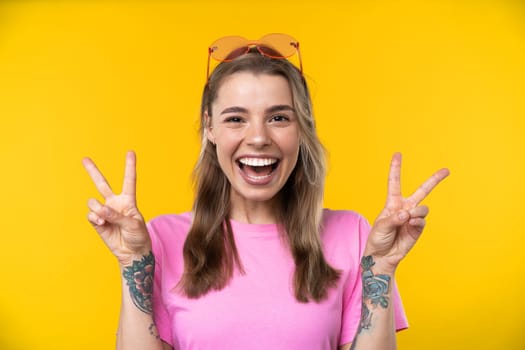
x=255, y=129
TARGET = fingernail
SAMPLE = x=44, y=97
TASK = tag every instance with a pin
x=100, y=221
x=403, y=215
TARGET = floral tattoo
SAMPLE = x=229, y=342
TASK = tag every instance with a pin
x=139, y=278
x=375, y=288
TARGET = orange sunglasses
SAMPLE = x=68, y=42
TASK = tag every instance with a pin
x=276, y=45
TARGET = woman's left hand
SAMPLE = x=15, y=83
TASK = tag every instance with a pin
x=399, y=225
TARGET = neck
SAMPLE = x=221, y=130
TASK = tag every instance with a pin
x=253, y=212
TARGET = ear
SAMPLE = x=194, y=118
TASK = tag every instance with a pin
x=208, y=129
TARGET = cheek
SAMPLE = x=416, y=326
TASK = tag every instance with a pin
x=225, y=162
x=225, y=146
x=228, y=138
x=222, y=153
x=225, y=142
x=290, y=143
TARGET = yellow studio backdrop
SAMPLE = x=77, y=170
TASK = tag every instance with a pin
x=441, y=81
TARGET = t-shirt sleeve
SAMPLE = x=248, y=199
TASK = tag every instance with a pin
x=353, y=293
x=160, y=313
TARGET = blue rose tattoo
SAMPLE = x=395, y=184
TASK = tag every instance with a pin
x=375, y=289
x=374, y=286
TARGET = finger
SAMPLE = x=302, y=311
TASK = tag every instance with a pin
x=95, y=220
x=100, y=181
x=95, y=206
x=418, y=223
x=394, y=177
x=108, y=214
x=130, y=175
x=424, y=190
x=97, y=209
x=112, y=216
x=392, y=222
x=103, y=211
x=420, y=211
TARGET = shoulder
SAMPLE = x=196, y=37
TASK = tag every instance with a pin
x=343, y=221
x=169, y=229
x=169, y=222
x=344, y=234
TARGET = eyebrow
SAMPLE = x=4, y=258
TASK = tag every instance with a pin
x=272, y=109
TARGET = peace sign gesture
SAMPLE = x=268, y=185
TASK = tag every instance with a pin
x=401, y=222
x=118, y=221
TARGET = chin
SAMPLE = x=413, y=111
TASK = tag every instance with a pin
x=256, y=195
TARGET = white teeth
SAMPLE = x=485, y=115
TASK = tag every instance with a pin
x=258, y=161
x=257, y=178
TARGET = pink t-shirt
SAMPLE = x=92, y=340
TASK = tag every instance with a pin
x=258, y=310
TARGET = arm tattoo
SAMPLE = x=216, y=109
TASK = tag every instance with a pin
x=375, y=288
x=153, y=331
x=139, y=278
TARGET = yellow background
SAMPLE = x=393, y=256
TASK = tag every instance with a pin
x=441, y=81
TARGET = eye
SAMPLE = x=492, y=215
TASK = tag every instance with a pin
x=233, y=119
x=279, y=118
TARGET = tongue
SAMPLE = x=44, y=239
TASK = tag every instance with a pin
x=257, y=170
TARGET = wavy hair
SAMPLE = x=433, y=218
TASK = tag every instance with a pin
x=210, y=254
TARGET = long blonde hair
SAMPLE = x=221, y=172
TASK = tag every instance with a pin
x=210, y=253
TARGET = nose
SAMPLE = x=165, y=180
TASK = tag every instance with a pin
x=258, y=135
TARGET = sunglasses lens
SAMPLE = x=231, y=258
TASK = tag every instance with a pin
x=228, y=48
x=277, y=45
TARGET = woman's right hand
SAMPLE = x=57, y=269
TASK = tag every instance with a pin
x=118, y=221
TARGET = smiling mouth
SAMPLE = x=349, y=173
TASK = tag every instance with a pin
x=258, y=168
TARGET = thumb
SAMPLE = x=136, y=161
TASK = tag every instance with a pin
x=392, y=222
x=114, y=217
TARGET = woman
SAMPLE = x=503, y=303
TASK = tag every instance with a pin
x=258, y=264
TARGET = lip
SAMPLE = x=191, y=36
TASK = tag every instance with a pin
x=259, y=156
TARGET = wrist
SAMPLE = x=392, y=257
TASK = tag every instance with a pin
x=378, y=264
x=138, y=276
x=128, y=260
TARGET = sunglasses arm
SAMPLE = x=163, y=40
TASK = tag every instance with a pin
x=296, y=44
x=210, y=50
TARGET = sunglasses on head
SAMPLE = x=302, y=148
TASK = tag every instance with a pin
x=276, y=45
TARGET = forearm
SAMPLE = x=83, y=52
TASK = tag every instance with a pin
x=137, y=329
x=377, y=327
